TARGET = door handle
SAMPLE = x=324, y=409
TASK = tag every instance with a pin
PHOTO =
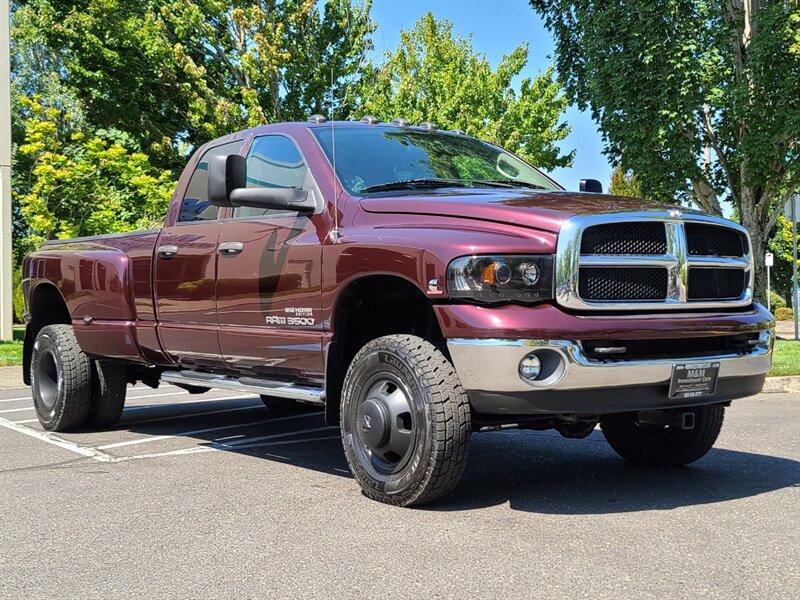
x=230, y=248
x=167, y=251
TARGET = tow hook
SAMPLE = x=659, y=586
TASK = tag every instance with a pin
x=670, y=418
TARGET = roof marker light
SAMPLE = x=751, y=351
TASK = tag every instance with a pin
x=317, y=119
x=429, y=126
x=401, y=122
x=370, y=120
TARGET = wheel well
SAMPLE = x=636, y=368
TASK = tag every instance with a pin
x=369, y=308
x=46, y=307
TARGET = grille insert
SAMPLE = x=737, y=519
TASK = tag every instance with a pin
x=633, y=237
x=716, y=284
x=623, y=283
x=710, y=240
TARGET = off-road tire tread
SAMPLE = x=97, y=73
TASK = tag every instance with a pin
x=76, y=376
x=677, y=449
x=109, y=386
x=450, y=412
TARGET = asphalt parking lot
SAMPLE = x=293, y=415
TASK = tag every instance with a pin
x=214, y=496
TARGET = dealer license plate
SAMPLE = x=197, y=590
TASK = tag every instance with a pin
x=694, y=380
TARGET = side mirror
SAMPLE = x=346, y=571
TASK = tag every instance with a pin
x=225, y=174
x=227, y=187
x=591, y=185
x=275, y=198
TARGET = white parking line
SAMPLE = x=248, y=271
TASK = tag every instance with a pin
x=157, y=438
x=190, y=414
x=288, y=442
x=156, y=395
x=200, y=401
x=275, y=436
x=26, y=421
x=98, y=455
x=10, y=410
x=51, y=439
x=219, y=447
x=129, y=397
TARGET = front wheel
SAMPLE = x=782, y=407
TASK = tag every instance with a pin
x=405, y=421
x=663, y=446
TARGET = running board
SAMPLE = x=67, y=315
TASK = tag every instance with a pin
x=267, y=387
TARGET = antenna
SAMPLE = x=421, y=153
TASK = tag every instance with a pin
x=333, y=152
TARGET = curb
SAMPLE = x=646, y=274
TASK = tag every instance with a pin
x=782, y=385
x=11, y=378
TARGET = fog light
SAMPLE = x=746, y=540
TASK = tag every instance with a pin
x=530, y=367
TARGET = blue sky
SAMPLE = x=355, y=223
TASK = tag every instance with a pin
x=498, y=27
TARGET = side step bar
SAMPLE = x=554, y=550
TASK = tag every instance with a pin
x=279, y=389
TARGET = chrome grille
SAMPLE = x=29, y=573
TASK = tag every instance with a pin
x=716, y=284
x=710, y=240
x=623, y=283
x=635, y=237
x=652, y=260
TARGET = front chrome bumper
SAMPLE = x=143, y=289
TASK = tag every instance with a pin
x=491, y=365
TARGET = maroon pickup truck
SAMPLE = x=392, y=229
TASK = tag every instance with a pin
x=418, y=284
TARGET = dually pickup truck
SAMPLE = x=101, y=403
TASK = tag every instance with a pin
x=419, y=285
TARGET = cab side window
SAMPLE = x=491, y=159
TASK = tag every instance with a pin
x=195, y=205
x=273, y=161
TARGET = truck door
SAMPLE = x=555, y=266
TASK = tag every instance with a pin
x=186, y=270
x=270, y=273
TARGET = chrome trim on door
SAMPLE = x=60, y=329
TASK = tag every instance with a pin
x=676, y=260
x=230, y=248
x=168, y=251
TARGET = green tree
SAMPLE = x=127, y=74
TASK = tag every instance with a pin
x=176, y=73
x=780, y=244
x=624, y=183
x=436, y=76
x=700, y=99
x=81, y=184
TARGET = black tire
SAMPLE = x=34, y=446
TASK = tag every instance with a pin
x=663, y=446
x=61, y=379
x=285, y=405
x=405, y=421
x=109, y=386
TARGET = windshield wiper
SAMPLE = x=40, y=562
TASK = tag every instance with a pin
x=515, y=183
x=421, y=183
x=433, y=183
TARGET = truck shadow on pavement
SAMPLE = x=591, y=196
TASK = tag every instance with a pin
x=531, y=471
x=545, y=473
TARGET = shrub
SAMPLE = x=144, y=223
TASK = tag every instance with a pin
x=18, y=301
x=776, y=301
x=784, y=314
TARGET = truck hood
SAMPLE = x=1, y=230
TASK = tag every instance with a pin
x=545, y=210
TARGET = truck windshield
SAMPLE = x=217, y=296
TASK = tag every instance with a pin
x=379, y=159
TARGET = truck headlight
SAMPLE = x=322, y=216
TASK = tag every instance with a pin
x=515, y=278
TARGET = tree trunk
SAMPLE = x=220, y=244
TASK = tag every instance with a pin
x=760, y=240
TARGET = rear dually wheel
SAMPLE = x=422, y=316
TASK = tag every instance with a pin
x=61, y=379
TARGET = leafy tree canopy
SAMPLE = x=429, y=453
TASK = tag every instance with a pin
x=699, y=98
x=624, y=183
x=436, y=76
x=81, y=184
x=177, y=72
